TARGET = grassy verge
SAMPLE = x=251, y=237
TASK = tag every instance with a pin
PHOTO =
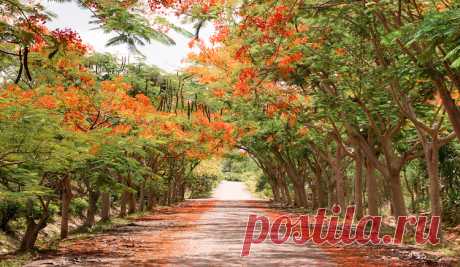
x=52, y=242
x=16, y=260
x=251, y=181
x=102, y=227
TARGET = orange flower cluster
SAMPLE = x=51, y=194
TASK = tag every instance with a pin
x=242, y=86
x=70, y=39
x=182, y=6
x=222, y=32
x=286, y=60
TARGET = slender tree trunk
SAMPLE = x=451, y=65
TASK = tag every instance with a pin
x=449, y=104
x=123, y=202
x=413, y=203
x=66, y=197
x=131, y=203
x=274, y=186
x=105, y=206
x=339, y=186
x=336, y=163
x=358, y=187
x=297, y=202
x=323, y=198
x=182, y=191
x=142, y=197
x=165, y=200
x=432, y=163
x=399, y=205
x=372, y=192
x=331, y=195
x=339, y=177
x=176, y=188
x=299, y=187
x=417, y=192
x=285, y=190
x=314, y=194
x=171, y=187
x=319, y=197
x=276, y=193
x=151, y=200
x=93, y=197
x=279, y=189
x=130, y=197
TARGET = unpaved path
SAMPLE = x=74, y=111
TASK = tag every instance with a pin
x=201, y=233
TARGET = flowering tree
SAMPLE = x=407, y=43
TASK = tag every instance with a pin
x=374, y=81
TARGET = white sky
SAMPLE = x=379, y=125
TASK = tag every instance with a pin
x=169, y=58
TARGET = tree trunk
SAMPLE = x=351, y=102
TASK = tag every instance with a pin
x=93, y=197
x=339, y=177
x=449, y=104
x=321, y=187
x=123, y=201
x=314, y=195
x=432, y=163
x=397, y=198
x=33, y=228
x=181, y=191
x=142, y=197
x=105, y=206
x=358, y=187
x=30, y=236
x=66, y=198
x=170, y=195
x=299, y=187
x=275, y=188
x=413, y=204
x=131, y=203
x=284, y=190
x=152, y=201
x=330, y=189
x=301, y=196
x=339, y=186
x=372, y=192
x=317, y=190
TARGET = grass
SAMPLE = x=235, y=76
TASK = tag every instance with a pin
x=250, y=178
x=448, y=251
x=449, y=248
x=16, y=260
x=101, y=227
x=52, y=242
x=7, y=243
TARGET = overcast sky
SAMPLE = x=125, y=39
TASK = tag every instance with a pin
x=169, y=58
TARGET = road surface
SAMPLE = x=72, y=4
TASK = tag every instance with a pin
x=206, y=232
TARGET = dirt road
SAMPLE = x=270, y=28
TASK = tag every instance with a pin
x=202, y=233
